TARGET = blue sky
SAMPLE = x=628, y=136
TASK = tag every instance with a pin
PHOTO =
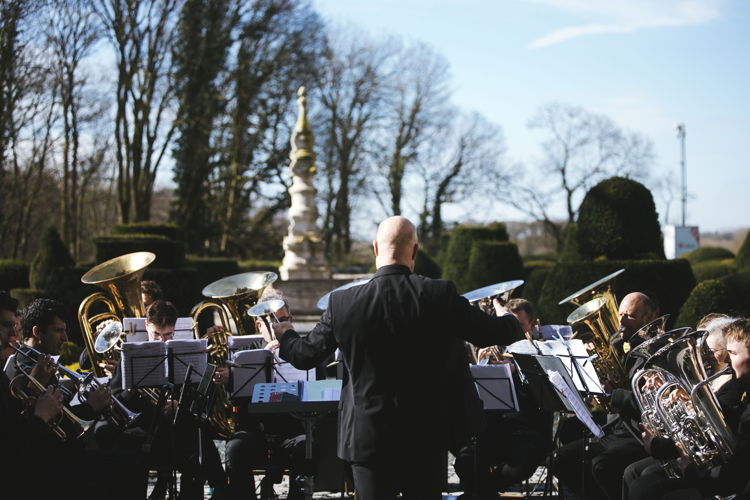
x=648, y=64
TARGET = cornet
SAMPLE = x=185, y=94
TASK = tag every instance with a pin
x=266, y=311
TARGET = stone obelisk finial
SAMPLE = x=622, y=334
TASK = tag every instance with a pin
x=303, y=248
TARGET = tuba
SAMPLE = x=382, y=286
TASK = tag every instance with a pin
x=120, y=279
x=230, y=299
x=693, y=420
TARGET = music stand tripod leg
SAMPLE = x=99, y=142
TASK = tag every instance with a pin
x=309, y=424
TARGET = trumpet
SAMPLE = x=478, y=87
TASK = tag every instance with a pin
x=117, y=413
x=484, y=296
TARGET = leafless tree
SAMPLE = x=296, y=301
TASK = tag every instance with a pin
x=141, y=32
x=581, y=148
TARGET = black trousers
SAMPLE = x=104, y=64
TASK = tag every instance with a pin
x=594, y=469
x=418, y=476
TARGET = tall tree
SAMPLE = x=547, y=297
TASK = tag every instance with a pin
x=352, y=95
x=581, y=148
x=142, y=33
x=200, y=56
x=466, y=160
x=71, y=32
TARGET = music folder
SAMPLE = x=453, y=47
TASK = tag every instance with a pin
x=495, y=386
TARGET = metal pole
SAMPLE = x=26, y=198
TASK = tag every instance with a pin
x=681, y=136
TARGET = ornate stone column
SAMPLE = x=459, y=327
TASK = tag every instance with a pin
x=303, y=248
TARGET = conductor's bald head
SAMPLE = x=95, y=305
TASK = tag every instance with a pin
x=396, y=242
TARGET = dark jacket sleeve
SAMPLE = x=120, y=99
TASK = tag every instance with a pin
x=307, y=352
x=624, y=402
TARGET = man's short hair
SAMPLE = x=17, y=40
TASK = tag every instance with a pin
x=708, y=319
x=516, y=305
x=152, y=289
x=739, y=330
x=162, y=313
x=7, y=302
x=40, y=313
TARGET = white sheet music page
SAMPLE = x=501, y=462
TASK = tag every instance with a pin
x=285, y=372
x=134, y=329
x=183, y=329
x=237, y=343
x=249, y=370
x=144, y=364
x=582, y=411
x=185, y=353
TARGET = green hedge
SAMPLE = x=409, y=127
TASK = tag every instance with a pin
x=703, y=254
x=182, y=286
x=51, y=259
x=13, y=274
x=570, y=251
x=618, y=220
x=169, y=231
x=26, y=295
x=710, y=296
x=455, y=259
x=426, y=265
x=493, y=262
x=742, y=260
x=210, y=269
x=739, y=283
x=711, y=270
x=169, y=253
x=670, y=280
x=260, y=265
x=532, y=288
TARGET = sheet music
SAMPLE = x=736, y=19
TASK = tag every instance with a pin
x=554, y=332
x=183, y=329
x=252, y=371
x=283, y=371
x=559, y=349
x=134, y=329
x=185, y=353
x=580, y=408
x=144, y=364
x=495, y=386
x=242, y=342
x=321, y=390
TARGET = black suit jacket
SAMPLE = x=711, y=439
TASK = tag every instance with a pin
x=397, y=335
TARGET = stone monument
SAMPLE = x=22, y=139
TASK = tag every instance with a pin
x=303, y=248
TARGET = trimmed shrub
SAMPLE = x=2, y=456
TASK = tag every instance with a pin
x=180, y=286
x=26, y=295
x=169, y=253
x=493, y=262
x=669, y=280
x=169, y=231
x=532, y=289
x=49, y=262
x=455, y=261
x=739, y=283
x=13, y=274
x=711, y=270
x=210, y=269
x=703, y=254
x=710, y=296
x=260, y=265
x=426, y=265
x=570, y=251
x=618, y=220
x=742, y=260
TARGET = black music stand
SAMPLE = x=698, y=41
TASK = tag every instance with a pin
x=496, y=390
x=534, y=369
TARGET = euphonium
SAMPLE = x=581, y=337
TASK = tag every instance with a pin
x=230, y=298
x=120, y=278
x=696, y=420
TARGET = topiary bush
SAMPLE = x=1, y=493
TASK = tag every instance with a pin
x=532, y=288
x=669, y=280
x=26, y=295
x=493, y=262
x=426, y=265
x=710, y=296
x=169, y=231
x=455, y=259
x=50, y=262
x=570, y=251
x=210, y=269
x=703, y=254
x=180, y=286
x=742, y=260
x=169, y=253
x=739, y=283
x=13, y=274
x=711, y=270
x=618, y=220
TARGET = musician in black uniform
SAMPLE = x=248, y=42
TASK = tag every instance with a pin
x=277, y=438
x=594, y=468
x=9, y=334
x=394, y=332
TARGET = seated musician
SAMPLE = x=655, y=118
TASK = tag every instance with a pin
x=595, y=467
x=513, y=444
x=168, y=443
x=729, y=395
x=282, y=435
x=9, y=334
x=44, y=327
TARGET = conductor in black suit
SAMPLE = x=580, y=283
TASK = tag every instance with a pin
x=397, y=334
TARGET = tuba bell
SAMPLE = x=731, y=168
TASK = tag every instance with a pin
x=120, y=279
x=230, y=299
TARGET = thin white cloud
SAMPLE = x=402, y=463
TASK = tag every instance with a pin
x=626, y=16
